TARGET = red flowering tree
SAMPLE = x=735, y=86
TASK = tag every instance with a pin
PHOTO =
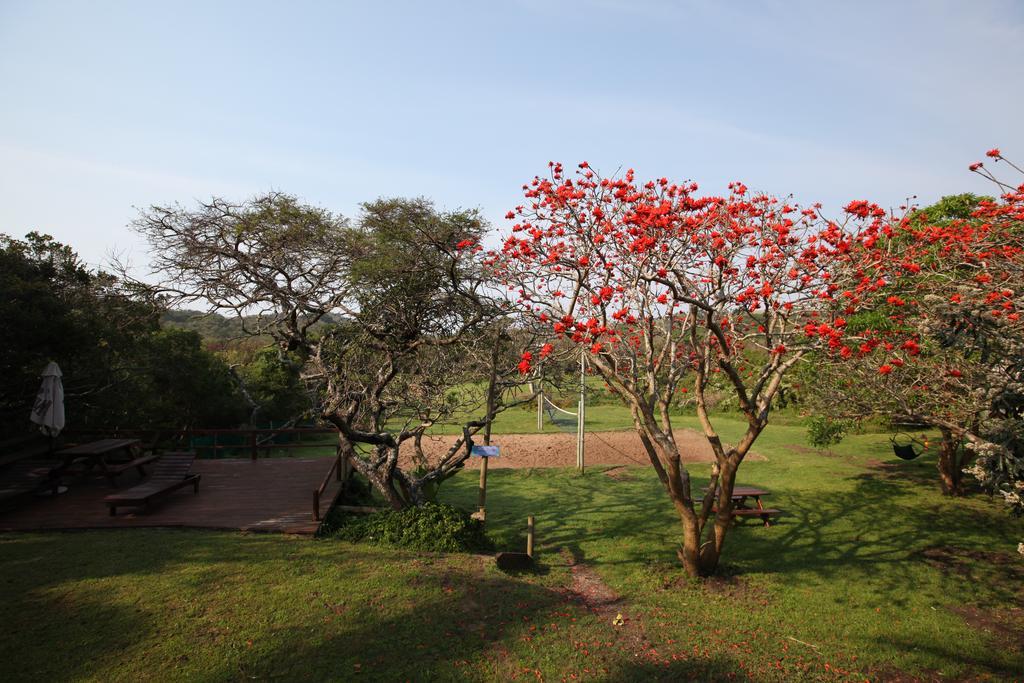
x=668, y=292
x=944, y=344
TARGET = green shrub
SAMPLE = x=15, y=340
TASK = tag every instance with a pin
x=435, y=527
x=358, y=491
x=823, y=432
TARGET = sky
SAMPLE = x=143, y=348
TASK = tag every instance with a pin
x=109, y=107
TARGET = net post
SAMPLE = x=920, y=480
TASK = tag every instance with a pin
x=540, y=410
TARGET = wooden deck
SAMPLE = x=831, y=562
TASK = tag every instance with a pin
x=272, y=495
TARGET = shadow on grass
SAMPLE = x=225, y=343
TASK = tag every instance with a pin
x=884, y=529
x=1004, y=663
x=93, y=595
x=875, y=523
x=718, y=668
x=457, y=625
x=478, y=628
x=197, y=605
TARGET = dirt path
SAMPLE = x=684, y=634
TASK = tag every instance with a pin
x=596, y=596
x=559, y=450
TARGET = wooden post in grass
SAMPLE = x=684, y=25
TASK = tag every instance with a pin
x=482, y=500
x=514, y=561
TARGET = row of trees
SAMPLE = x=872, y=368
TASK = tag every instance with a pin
x=915, y=317
x=400, y=321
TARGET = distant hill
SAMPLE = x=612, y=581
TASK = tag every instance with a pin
x=216, y=327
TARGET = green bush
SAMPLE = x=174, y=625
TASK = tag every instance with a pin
x=823, y=432
x=436, y=527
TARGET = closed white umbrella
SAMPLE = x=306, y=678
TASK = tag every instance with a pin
x=48, y=411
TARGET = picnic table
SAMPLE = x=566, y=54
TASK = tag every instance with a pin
x=109, y=457
x=746, y=502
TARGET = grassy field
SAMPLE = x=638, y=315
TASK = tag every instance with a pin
x=871, y=574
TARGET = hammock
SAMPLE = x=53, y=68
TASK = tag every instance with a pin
x=907, y=450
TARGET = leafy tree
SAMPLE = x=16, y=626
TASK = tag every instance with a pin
x=120, y=369
x=823, y=432
x=180, y=384
x=54, y=308
x=944, y=345
x=274, y=384
x=416, y=344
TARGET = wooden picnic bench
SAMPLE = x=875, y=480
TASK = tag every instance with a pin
x=741, y=507
x=110, y=457
x=171, y=472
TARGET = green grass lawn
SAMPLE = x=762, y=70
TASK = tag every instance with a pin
x=870, y=574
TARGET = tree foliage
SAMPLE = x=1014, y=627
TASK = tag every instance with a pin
x=120, y=369
x=418, y=340
x=945, y=345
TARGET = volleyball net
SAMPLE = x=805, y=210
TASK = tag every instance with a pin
x=565, y=420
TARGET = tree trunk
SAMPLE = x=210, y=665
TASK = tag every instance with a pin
x=689, y=553
x=385, y=485
x=949, y=465
x=711, y=550
x=698, y=559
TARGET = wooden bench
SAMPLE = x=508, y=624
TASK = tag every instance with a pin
x=171, y=472
x=108, y=457
x=764, y=513
x=81, y=466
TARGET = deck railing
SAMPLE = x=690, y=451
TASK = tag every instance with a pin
x=338, y=468
x=252, y=440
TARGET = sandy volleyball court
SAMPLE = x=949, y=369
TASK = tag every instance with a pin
x=559, y=450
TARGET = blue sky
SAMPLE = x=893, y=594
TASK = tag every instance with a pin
x=107, y=106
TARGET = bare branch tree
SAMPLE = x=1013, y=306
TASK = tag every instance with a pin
x=412, y=319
